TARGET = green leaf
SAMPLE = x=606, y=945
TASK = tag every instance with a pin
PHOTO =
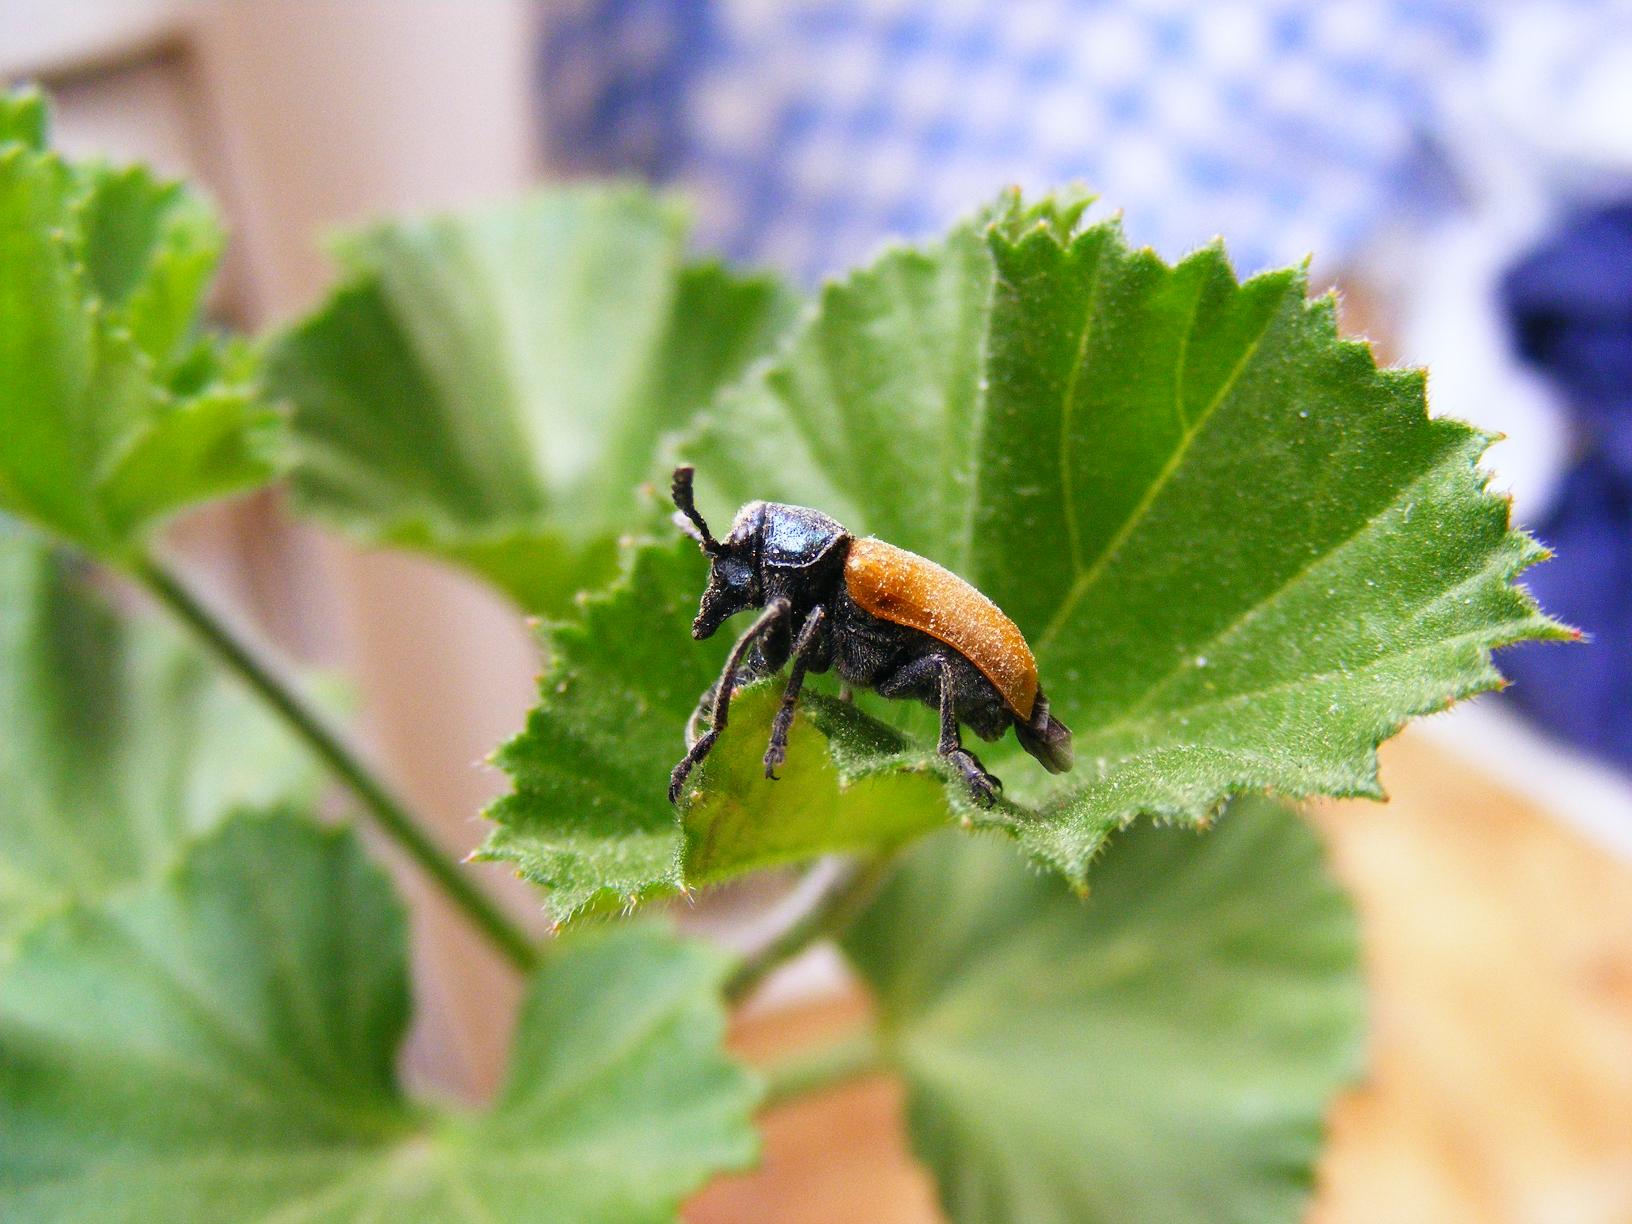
x=222, y=1048
x=150, y=248
x=1163, y=1052
x=102, y=275
x=1242, y=554
x=589, y=818
x=23, y=118
x=119, y=741
x=490, y=389
x=870, y=790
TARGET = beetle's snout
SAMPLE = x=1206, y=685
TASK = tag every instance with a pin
x=711, y=615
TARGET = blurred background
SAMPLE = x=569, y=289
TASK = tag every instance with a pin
x=1460, y=171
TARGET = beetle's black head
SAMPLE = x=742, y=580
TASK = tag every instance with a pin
x=733, y=572
x=734, y=579
x=772, y=552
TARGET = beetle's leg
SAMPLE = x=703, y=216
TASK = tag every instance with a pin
x=752, y=669
x=778, y=750
x=982, y=785
x=722, y=695
x=696, y=724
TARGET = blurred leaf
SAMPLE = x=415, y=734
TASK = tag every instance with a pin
x=1163, y=1052
x=150, y=248
x=204, y=436
x=23, y=118
x=118, y=740
x=1243, y=554
x=491, y=389
x=102, y=273
x=222, y=1048
x=589, y=818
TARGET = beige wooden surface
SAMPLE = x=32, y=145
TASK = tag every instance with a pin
x=1499, y=950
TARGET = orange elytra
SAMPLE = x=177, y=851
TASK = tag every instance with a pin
x=906, y=589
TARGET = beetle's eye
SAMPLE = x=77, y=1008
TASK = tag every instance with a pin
x=733, y=572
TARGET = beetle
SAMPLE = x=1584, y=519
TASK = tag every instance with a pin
x=883, y=618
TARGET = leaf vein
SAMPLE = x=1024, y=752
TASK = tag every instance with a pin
x=977, y=433
x=1360, y=533
x=1087, y=577
x=1068, y=409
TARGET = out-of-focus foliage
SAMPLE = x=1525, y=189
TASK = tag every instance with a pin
x=119, y=742
x=221, y=1046
x=113, y=411
x=490, y=388
x=1164, y=1051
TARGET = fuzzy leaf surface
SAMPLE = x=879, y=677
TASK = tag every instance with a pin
x=112, y=413
x=119, y=741
x=1242, y=553
x=589, y=819
x=490, y=389
x=1163, y=1052
x=222, y=1047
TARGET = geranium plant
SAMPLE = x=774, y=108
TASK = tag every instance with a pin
x=1243, y=553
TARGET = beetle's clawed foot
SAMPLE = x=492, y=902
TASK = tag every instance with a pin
x=677, y=779
x=774, y=756
x=983, y=786
x=682, y=771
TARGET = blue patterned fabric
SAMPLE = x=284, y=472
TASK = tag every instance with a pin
x=810, y=131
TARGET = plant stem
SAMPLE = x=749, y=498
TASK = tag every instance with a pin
x=830, y=913
x=811, y=1071
x=392, y=816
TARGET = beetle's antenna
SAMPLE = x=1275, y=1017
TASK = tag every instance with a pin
x=686, y=503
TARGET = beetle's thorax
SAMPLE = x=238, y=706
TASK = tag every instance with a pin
x=801, y=554
x=794, y=537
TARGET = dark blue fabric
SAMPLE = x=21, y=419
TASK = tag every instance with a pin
x=1569, y=303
